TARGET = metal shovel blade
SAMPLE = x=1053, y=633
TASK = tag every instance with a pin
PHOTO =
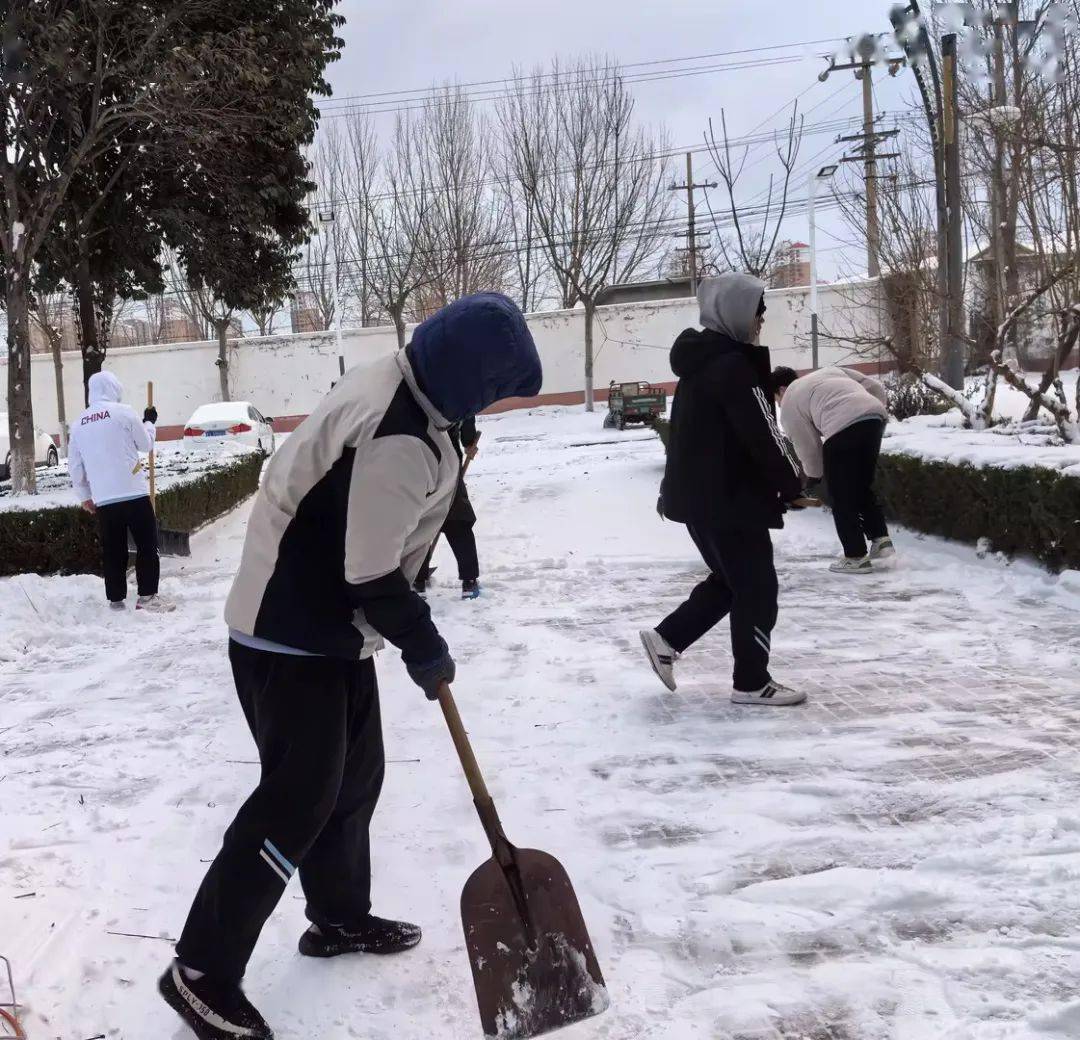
x=170, y=543
x=533, y=965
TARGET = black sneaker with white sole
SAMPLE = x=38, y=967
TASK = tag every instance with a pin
x=213, y=1010
x=372, y=935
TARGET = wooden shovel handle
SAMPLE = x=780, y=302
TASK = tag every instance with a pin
x=479, y=789
x=153, y=483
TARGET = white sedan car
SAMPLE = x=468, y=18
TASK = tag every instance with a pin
x=238, y=421
x=45, y=451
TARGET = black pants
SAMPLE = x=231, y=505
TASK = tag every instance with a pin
x=114, y=522
x=317, y=727
x=458, y=529
x=851, y=458
x=742, y=582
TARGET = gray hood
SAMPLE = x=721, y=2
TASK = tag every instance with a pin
x=729, y=304
x=104, y=388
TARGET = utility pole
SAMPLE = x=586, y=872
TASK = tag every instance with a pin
x=691, y=234
x=912, y=34
x=866, y=150
x=873, y=229
x=954, y=345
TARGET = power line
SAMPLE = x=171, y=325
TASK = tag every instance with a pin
x=423, y=92
x=487, y=96
x=814, y=129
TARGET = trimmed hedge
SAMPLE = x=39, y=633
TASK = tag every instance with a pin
x=1026, y=510
x=64, y=539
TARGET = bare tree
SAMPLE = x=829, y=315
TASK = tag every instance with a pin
x=752, y=241
x=596, y=182
x=402, y=262
x=464, y=228
x=531, y=271
x=265, y=316
x=359, y=171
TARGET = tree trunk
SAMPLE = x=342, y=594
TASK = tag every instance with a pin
x=93, y=354
x=221, y=327
x=590, y=313
x=1066, y=344
x=20, y=402
x=399, y=325
x=61, y=408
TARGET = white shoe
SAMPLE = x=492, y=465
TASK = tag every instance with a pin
x=771, y=694
x=661, y=656
x=155, y=604
x=882, y=549
x=852, y=565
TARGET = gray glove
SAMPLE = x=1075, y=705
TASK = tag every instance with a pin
x=430, y=676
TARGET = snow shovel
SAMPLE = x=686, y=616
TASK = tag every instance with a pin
x=170, y=543
x=534, y=968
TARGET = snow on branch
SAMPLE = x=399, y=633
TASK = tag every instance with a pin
x=1070, y=430
x=972, y=415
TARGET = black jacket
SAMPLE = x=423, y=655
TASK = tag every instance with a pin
x=728, y=464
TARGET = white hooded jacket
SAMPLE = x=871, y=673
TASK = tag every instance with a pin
x=103, y=450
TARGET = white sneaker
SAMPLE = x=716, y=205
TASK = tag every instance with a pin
x=882, y=549
x=771, y=694
x=155, y=604
x=661, y=656
x=851, y=565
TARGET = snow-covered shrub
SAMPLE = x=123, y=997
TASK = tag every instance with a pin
x=64, y=539
x=1022, y=510
x=910, y=396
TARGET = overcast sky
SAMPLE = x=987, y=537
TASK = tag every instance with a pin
x=391, y=46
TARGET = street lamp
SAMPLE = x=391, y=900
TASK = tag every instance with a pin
x=822, y=175
x=326, y=218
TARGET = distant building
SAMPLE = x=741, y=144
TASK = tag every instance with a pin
x=792, y=266
x=178, y=326
x=305, y=313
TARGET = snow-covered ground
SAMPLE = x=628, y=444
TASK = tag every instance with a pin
x=174, y=462
x=898, y=859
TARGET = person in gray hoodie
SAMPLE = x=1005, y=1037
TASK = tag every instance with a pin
x=730, y=478
x=835, y=417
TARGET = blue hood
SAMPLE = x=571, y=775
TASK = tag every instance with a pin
x=474, y=352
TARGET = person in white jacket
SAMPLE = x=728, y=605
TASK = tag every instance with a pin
x=836, y=417
x=109, y=479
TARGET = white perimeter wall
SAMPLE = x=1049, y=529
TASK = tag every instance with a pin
x=287, y=375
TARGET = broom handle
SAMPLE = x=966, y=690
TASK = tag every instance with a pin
x=153, y=484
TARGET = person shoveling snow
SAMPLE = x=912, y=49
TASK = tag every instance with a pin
x=109, y=480
x=347, y=511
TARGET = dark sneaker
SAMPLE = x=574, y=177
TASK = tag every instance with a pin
x=373, y=935
x=213, y=1010
x=470, y=589
x=117, y=604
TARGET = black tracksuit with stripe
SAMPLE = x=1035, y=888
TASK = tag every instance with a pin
x=729, y=476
